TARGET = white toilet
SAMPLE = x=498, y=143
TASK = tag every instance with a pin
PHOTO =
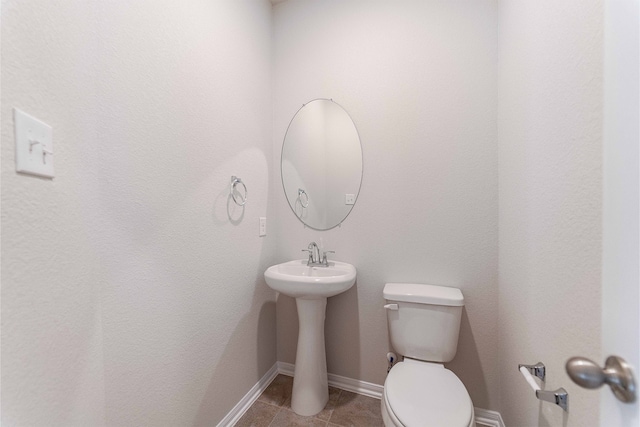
x=424, y=322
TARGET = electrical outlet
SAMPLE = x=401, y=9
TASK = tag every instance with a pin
x=350, y=199
x=263, y=226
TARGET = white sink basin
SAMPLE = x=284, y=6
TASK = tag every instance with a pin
x=297, y=280
x=310, y=286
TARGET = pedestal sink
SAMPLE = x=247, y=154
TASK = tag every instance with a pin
x=310, y=286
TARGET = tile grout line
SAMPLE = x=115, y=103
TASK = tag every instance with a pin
x=268, y=403
x=275, y=416
x=334, y=406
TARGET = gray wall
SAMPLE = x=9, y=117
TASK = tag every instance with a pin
x=550, y=137
x=132, y=289
x=420, y=82
x=129, y=296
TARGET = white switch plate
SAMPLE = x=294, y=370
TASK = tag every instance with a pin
x=263, y=226
x=350, y=199
x=34, y=145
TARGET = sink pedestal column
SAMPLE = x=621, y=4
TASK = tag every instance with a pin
x=310, y=385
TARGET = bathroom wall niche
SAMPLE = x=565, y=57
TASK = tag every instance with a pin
x=321, y=164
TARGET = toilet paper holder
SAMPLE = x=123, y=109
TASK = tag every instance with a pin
x=559, y=397
x=537, y=370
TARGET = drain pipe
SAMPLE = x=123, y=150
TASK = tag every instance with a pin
x=391, y=360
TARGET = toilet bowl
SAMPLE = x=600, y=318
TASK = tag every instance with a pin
x=424, y=322
x=423, y=394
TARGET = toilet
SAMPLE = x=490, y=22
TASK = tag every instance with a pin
x=424, y=322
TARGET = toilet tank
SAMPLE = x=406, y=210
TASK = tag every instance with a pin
x=426, y=323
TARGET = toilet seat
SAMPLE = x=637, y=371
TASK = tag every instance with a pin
x=422, y=394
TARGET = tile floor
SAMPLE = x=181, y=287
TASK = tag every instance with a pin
x=346, y=409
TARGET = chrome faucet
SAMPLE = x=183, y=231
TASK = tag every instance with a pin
x=314, y=256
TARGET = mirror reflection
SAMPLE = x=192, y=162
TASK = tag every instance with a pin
x=321, y=164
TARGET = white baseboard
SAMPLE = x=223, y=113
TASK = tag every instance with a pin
x=338, y=381
x=252, y=395
x=483, y=417
x=488, y=418
x=286, y=368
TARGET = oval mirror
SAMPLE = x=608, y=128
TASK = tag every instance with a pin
x=321, y=164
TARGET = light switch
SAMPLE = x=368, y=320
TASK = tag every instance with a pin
x=350, y=199
x=263, y=226
x=34, y=145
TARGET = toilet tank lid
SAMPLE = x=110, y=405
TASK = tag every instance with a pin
x=423, y=294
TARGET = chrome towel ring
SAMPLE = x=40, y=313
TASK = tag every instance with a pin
x=240, y=199
x=306, y=196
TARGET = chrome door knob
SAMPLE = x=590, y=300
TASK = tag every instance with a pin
x=616, y=372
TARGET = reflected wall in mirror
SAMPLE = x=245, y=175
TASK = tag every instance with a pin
x=321, y=164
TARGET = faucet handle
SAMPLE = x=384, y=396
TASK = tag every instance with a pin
x=324, y=256
x=310, y=255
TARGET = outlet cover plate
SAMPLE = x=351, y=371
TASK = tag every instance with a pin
x=263, y=227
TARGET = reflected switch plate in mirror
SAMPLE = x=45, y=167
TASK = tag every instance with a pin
x=350, y=199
